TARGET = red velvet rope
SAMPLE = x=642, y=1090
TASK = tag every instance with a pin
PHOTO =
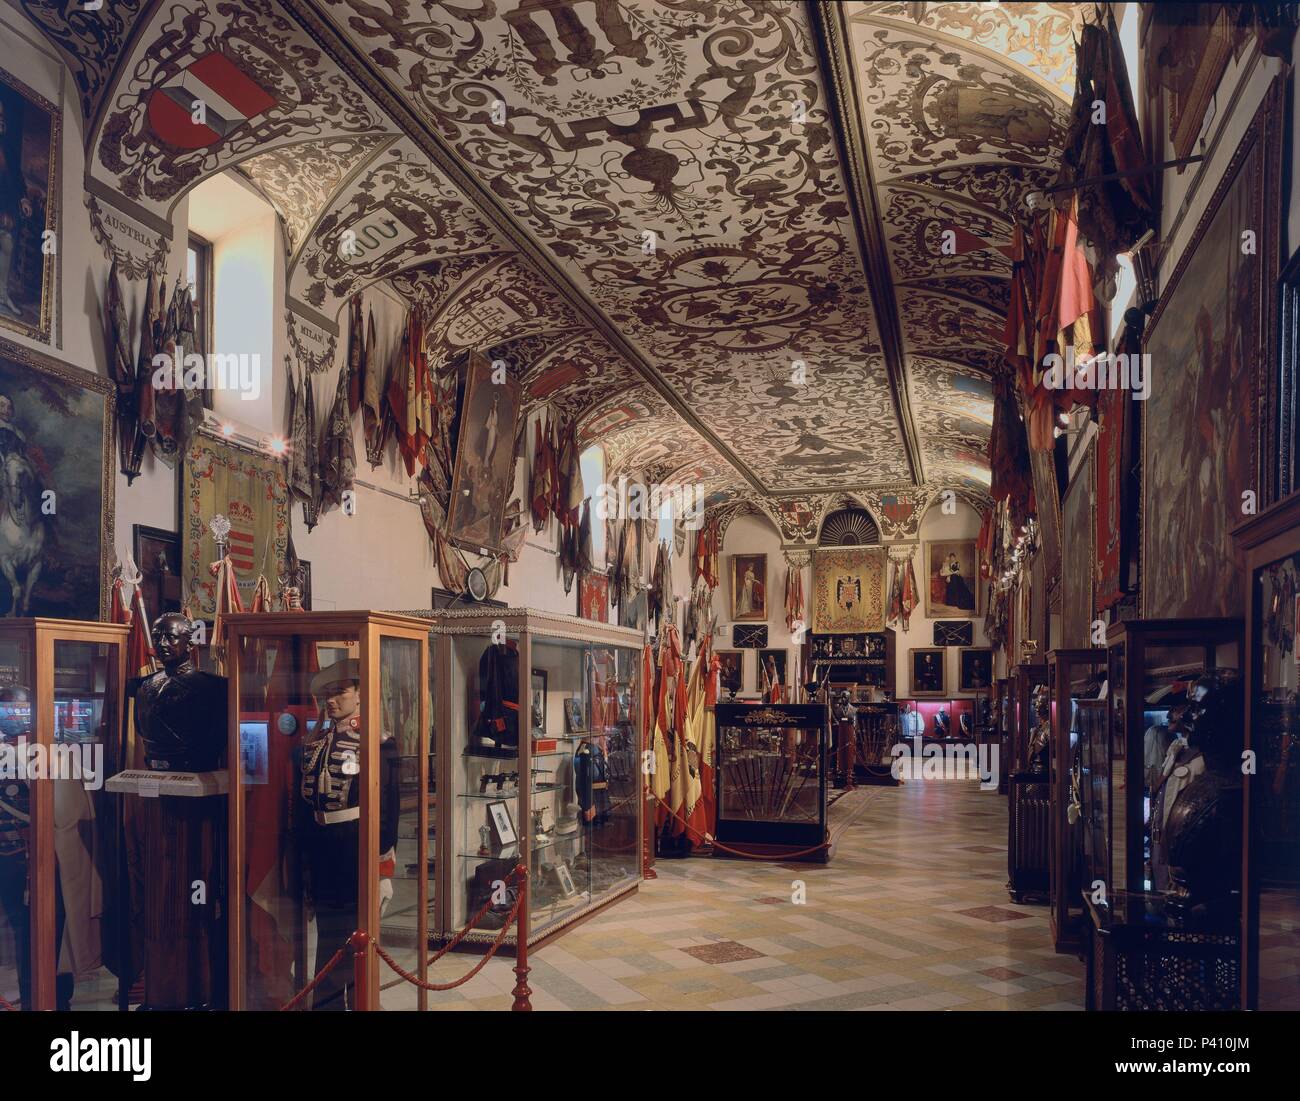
x=5, y=1005
x=492, y=951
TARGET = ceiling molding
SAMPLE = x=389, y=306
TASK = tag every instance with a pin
x=379, y=88
x=842, y=92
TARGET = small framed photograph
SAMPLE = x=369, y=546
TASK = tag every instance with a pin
x=928, y=676
x=574, y=722
x=537, y=699
x=974, y=669
x=502, y=824
x=564, y=879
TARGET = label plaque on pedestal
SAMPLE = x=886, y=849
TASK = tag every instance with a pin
x=194, y=785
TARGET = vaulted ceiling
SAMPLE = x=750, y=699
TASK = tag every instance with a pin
x=716, y=232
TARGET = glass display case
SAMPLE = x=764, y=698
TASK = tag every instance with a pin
x=1074, y=684
x=1029, y=799
x=771, y=781
x=878, y=733
x=61, y=689
x=1150, y=664
x=329, y=808
x=540, y=734
x=1270, y=545
x=1002, y=719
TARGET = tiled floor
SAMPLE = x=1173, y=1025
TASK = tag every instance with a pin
x=910, y=914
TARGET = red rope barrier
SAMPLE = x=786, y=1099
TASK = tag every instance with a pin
x=334, y=961
x=4, y=1004
x=359, y=940
x=706, y=839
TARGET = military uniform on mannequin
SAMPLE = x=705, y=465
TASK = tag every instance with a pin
x=15, y=825
x=1041, y=735
x=845, y=723
x=591, y=783
x=331, y=821
x=498, y=697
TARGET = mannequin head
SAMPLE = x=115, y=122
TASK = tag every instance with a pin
x=342, y=700
x=337, y=689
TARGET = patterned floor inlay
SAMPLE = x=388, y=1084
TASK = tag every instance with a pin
x=911, y=913
x=724, y=951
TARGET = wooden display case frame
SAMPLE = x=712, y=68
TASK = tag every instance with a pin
x=1266, y=538
x=1137, y=636
x=1067, y=917
x=525, y=624
x=41, y=635
x=368, y=628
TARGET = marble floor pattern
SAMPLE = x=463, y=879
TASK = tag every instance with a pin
x=911, y=913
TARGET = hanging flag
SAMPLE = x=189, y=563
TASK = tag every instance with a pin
x=539, y=482
x=695, y=747
x=375, y=425
x=356, y=353
x=338, y=462
x=910, y=593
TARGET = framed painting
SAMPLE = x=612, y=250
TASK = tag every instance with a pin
x=731, y=670
x=56, y=487
x=928, y=677
x=952, y=585
x=484, y=474
x=593, y=597
x=1209, y=342
x=749, y=587
x=246, y=486
x=774, y=660
x=158, y=554
x=29, y=200
x=1077, y=555
x=974, y=669
x=848, y=590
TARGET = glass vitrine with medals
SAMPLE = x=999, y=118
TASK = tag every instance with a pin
x=541, y=728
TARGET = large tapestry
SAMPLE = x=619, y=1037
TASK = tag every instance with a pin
x=1199, y=425
x=56, y=487
x=849, y=590
x=248, y=488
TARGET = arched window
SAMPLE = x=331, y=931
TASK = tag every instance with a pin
x=592, y=464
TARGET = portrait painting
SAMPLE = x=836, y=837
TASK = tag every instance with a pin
x=952, y=588
x=849, y=590
x=1209, y=331
x=56, y=487
x=484, y=474
x=749, y=587
x=774, y=661
x=29, y=149
x=974, y=669
x=927, y=671
x=731, y=671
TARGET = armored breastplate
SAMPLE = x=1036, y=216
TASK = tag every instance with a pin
x=330, y=768
x=182, y=720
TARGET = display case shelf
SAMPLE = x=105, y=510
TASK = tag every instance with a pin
x=518, y=686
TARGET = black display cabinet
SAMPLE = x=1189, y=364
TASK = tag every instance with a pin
x=1029, y=827
x=771, y=781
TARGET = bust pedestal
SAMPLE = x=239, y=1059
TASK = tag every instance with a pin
x=182, y=817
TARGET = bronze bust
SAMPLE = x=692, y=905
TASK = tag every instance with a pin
x=180, y=711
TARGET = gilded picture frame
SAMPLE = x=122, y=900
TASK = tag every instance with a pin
x=68, y=414
x=952, y=583
x=1213, y=326
x=927, y=671
x=748, y=574
x=36, y=137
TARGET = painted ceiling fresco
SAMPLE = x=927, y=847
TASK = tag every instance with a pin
x=712, y=232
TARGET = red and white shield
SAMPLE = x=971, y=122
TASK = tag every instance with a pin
x=229, y=98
